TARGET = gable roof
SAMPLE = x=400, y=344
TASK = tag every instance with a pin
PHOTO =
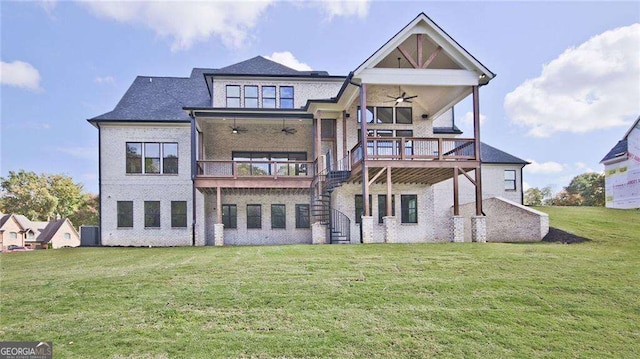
x=21, y=220
x=260, y=66
x=50, y=230
x=619, y=151
x=438, y=35
x=490, y=154
x=4, y=219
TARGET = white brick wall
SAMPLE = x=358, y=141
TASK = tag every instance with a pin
x=117, y=185
x=492, y=186
x=303, y=89
x=261, y=135
x=508, y=221
x=343, y=199
x=265, y=235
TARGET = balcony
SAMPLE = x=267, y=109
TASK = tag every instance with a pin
x=254, y=174
x=414, y=159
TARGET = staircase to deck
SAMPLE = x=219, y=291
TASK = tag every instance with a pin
x=325, y=182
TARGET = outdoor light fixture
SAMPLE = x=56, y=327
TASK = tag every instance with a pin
x=425, y=116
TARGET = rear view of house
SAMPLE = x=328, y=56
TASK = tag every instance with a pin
x=259, y=153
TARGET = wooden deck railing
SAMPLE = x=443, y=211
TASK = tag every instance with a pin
x=415, y=148
x=264, y=169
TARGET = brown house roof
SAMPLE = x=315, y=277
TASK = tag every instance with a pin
x=50, y=230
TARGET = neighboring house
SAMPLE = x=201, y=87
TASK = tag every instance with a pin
x=622, y=171
x=19, y=230
x=259, y=153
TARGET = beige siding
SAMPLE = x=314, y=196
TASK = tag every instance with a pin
x=59, y=241
x=12, y=226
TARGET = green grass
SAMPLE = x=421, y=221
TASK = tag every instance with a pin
x=390, y=301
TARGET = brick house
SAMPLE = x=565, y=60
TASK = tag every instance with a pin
x=16, y=229
x=259, y=153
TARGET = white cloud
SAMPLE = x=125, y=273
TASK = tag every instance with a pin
x=544, y=167
x=343, y=8
x=20, y=74
x=525, y=185
x=287, y=59
x=187, y=23
x=467, y=119
x=590, y=87
x=48, y=6
x=105, y=80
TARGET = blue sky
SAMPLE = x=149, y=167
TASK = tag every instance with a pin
x=568, y=84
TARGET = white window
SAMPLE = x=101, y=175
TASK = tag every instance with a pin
x=13, y=235
x=67, y=236
x=510, y=180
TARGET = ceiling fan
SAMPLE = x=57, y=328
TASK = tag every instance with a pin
x=288, y=130
x=401, y=98
x=235, y=129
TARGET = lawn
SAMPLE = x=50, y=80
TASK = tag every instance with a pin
x=542, y=300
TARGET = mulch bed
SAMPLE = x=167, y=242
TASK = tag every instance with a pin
x=560, y=236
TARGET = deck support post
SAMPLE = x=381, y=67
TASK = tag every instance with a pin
x=363, y=142
x=389, y=190
x=456, y=204
x=317, y=139
x=476, y=133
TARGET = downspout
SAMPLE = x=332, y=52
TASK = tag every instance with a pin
x=193, y=179
x=99, y=186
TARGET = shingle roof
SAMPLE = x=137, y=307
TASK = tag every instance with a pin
x=618, y=150
x=621, y=148
x=4, y=219
x=490, y=154
x=447, y=130
x=23, y=221
x=50, y=230
x=261, y=66
x=160, y=98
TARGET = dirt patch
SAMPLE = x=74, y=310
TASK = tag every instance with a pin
x=560, y=236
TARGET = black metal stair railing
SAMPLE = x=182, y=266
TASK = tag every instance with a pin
x=323, y=184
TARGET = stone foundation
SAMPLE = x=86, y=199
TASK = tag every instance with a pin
x=367, y=229
x=218, y=234
x=479, y=229
x=457, y=229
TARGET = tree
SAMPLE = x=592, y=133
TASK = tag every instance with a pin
x=40, y=197
x=590, y=187
x=533, y=197
x=69, y=194
x=87, y=213
x=537, y=197
x=28, y=194
x=586, y=189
